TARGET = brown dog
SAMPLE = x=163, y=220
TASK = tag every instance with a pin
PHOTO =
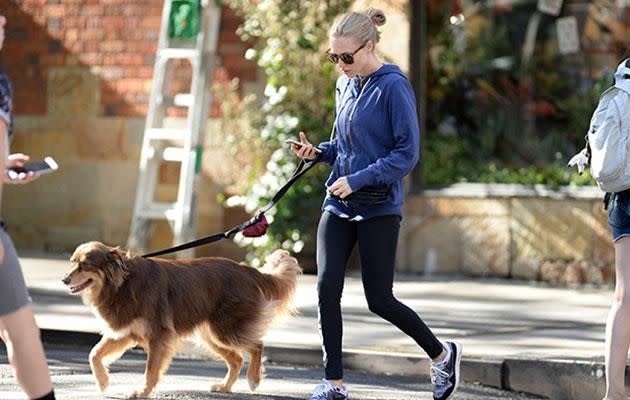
x=153, y=303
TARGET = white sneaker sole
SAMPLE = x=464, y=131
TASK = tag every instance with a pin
x=458, y=360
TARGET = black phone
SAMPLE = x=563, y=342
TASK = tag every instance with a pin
x=44, y=166
x=300, y=144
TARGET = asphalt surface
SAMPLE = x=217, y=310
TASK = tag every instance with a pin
x=520, y=336
x=190, y=379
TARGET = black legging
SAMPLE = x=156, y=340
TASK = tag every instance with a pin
x=377, y=239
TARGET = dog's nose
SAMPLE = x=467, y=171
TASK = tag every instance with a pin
x=66, y=280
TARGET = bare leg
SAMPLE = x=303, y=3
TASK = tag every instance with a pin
x=105, y=352
x=618, y=325
x=26, y=354
x=255, y=369
x=161, y=351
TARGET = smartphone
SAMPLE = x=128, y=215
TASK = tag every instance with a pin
x=300, y=144
x=44, y=166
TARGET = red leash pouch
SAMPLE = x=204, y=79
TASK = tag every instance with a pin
x=257, y=229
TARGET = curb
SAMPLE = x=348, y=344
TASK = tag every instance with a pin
x=554, y=379
x=59, y=337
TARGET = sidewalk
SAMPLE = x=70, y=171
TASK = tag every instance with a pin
x=517, y=336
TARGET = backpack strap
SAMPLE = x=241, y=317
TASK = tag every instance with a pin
x=606, y=200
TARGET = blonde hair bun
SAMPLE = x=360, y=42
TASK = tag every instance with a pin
x=377, y=16
x=359, y=26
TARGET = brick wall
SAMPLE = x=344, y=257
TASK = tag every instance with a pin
x=116, y=39
x=82, y=72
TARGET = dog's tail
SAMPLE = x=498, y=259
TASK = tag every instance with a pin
x=283, y=271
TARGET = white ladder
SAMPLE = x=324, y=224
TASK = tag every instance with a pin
x=162, y=144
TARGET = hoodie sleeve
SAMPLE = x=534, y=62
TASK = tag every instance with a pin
x=401, y=110
x=329, y=151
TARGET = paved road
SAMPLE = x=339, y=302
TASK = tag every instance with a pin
x=518, y=335
x=490, y=317
x=190, y=379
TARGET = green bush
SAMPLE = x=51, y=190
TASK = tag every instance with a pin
x=448, y=159
x=478, y=102
x=497, y=115
x=291, y=38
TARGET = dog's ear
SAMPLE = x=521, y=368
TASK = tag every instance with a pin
x=116, y=269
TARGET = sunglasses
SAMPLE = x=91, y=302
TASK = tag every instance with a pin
x=347, y=58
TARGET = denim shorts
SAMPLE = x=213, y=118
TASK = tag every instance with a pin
x=619, y=214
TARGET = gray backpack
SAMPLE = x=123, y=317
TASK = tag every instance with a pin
x=608, y=139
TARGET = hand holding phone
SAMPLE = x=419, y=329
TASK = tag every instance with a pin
x=45, y=166
x=300, y=144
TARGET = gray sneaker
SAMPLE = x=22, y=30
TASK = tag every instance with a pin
x=328, y=391
x=445, y=375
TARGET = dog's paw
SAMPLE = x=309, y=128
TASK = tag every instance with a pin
x=139, y=394
x=101, y=376
x=103, y=383
x=253, y=383
x=221, y=388
x=254, y=379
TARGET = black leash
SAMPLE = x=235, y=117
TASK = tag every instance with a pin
x=302, y=168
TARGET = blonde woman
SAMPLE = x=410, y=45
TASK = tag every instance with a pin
x=17, y=324
x=376, y=145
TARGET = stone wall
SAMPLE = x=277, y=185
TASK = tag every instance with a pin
x=92, y=194
x=82, y=74
x=534, y=233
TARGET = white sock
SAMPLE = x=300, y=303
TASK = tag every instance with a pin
x=335, y=385
x=447, y=355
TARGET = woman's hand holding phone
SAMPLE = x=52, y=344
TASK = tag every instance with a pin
x=303, y=149
x=17, y=161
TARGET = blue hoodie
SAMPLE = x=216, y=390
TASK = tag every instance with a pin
x=377, y=140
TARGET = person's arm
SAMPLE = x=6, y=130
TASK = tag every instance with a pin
x=6, y=121
x=405, y=154
x=4, y=133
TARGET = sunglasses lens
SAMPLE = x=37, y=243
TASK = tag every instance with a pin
x=347, y=58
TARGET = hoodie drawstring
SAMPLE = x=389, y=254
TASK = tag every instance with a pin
x=354, y=107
